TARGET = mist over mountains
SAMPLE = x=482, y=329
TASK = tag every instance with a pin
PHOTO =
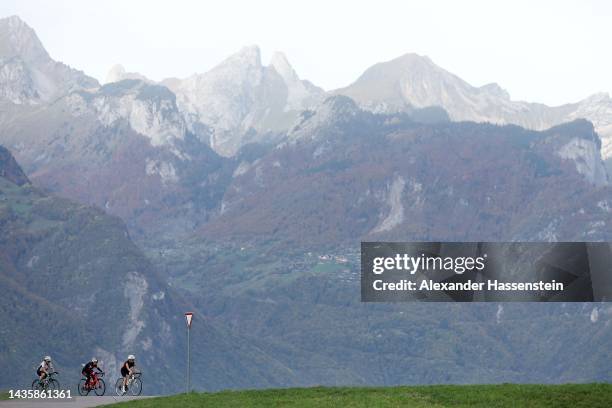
x=243, y=193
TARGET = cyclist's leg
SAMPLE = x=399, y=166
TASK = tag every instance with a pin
x=125, y=375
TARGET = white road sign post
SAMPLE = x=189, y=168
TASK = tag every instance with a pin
x=188, y=318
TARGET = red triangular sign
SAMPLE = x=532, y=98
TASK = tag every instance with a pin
x=188, y=317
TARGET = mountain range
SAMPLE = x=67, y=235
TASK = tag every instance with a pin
x=225, y=98
x=243, y=193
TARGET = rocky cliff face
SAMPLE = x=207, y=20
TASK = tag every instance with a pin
x=241, y=96
x=150, y=110
x=578, y=143
x=597, y=109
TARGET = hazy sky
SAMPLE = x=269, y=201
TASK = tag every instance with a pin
x=552, y=52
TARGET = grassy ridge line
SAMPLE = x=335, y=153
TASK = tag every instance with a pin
x=503, y=395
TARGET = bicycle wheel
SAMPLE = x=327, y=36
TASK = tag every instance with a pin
x=83, y=389
x=118, y=386
x=53, y=384
x=101, y=388
x=136, y=387
x=36, y=385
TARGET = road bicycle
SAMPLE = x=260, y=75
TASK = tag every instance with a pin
x=49, y=383
x=95, y=384
x=133, y=386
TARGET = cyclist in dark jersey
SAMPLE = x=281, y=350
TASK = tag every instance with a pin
x=127, y=369
x=88, y=369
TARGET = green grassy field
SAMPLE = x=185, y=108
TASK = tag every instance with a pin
x=505, y=395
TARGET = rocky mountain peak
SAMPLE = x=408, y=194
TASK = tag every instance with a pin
x=409, y=81
x=407, y=63
x=27, y=74
x=237, y=95
x=300, y=94
x=414, y=59
x=495, y=90
x=17, y=39
x=248, y=57
x=281, y=65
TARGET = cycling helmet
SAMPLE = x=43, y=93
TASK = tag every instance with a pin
x=47, y=358
x=131, y=357
x=94, y=360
